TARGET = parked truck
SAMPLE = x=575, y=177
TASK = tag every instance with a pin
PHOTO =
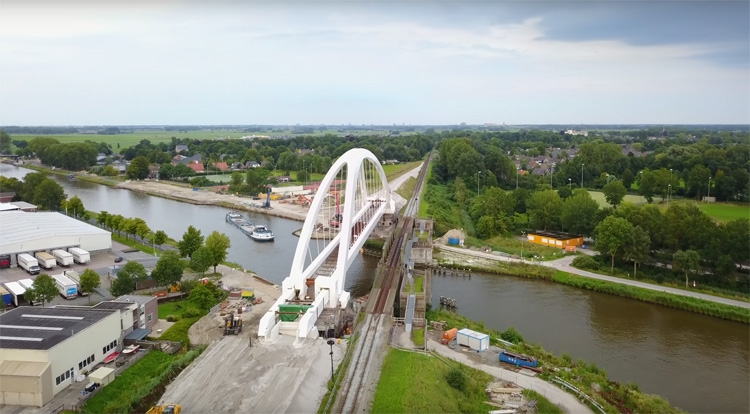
x=45, y=260
x=27, y=284
x=62, y=257
x=28, y=263
x=16, y=293
x=75, y=277
x=80, y=256
x=68, y=288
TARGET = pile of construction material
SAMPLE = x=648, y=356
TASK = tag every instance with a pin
x=509, y=398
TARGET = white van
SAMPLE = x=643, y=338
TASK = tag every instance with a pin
x=28, y=263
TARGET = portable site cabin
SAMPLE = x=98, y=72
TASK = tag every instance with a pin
x=102, y=376
x=555, y=239
x=474, y=340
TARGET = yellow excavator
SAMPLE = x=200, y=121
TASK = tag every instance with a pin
x=165, y=409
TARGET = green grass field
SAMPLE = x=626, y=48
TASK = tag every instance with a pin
x=630, y=198
x=417, y=383
x=393, y=171
x=172, y=308
x=725, y=211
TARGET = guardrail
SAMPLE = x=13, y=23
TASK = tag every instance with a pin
x=580, y=393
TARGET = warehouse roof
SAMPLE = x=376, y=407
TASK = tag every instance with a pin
x=30, y=327
x=135, y=298
x=19, y=226
x=114, y=305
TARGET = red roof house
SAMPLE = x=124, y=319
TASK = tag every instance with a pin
x=196, y=166
x=222, y=166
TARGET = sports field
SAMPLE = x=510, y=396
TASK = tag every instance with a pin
x=725, y=211
x=599, y=197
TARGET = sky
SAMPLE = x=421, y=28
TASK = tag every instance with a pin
x=381, y=62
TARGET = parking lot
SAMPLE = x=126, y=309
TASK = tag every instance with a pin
x=102, y=263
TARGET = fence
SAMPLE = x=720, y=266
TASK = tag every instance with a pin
x=580, y=393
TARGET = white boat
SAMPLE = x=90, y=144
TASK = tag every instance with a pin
x=131, y=349
x=262, y=234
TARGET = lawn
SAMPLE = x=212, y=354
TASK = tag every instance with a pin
x=416, y=383
x=407, y=189
x=172, y=308
x=514, y=246
x=418, y=337
x=725, y=211
x=630, y=198
x=393, y=171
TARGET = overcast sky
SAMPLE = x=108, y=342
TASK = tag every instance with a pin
x=179, y=62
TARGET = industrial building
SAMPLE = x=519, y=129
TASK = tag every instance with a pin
x=148, y=310
x=24, y=232
x=43, y=350
x=555, y=239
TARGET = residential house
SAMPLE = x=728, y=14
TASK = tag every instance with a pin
x=252, y=164
x=101, y=158
x=148, y=312
x=196, y=166
x=221, y=166
x=179, y=148
x=153, y=172
x=7, y=197
x=181, y=159
x=282, y=179
x=238, y=166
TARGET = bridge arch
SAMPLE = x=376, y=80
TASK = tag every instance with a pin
x=336, y=236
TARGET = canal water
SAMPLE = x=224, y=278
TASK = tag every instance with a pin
x=699, y=363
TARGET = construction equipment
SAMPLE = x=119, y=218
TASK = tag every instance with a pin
x=338, y=218
x=232, y=324
x=165, y=409
x=267, y=204
x=304, y=200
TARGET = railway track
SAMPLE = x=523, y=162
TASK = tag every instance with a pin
x=359, y=385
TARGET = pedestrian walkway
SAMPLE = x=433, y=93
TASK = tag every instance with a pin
x=564, y=265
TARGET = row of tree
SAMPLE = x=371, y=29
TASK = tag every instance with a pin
x=36, y=188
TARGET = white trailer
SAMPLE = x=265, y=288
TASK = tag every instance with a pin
x=75, y=277
x=16, y=293
x=28, y=263
x=80, y=256
x=474, y=340
x=62, y=257
x=45, y=260
x=68, y=288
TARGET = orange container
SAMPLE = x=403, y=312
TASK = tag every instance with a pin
x=450, y=335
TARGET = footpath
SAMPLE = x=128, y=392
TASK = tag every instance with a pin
x=564, y=265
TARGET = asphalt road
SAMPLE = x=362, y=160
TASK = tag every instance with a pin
x=564, y=265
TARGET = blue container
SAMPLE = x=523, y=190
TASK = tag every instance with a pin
x=453, y=241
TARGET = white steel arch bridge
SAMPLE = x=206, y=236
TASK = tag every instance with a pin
x=346, y=208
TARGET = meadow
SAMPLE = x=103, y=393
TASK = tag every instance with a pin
x=630, y=198
x=725, y=211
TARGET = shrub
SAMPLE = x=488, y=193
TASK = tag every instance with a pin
x=172, y=318
x=456, y=379
x=586, y=262
x=192, y=313
x=512, y=335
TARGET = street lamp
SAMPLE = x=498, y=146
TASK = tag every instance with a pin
x=331, y=342
x=582, y=174
x=669, y=192
x=523, y=236
x=518, y=169
x=478, y=172
x=570, y=184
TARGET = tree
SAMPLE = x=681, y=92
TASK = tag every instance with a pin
x=109, y=171
x=138, y=168
x=218, y=244
x=89, y=282
x=201, y=260
x=142, y=229
x=190, y=242
x=578, y=213
x=102, y=218
x=168, y=270
x=647, y=185
x=687, y=262
x=544, y=208
x=129, y=226
x=160, y=237
x=136, y=271
x=74, y=207
x=48, y=195
x=45, y=288
x=612, y=234
x=122, y=285
x=637, y=248
x=564, y=192
x=202, y=297
x=697, y=181
x=4, y=143
x=614, y=192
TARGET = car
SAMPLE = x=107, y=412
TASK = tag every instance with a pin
x=118, y=259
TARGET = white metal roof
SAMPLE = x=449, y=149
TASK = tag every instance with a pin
x=473, y=334
x=19, y=226
x=7, y=207
x=15, y=288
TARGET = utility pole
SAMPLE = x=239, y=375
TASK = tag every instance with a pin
x=708, y=194
x=517, y=171
x=570, y=184
x=478, y=172
x=582, y=175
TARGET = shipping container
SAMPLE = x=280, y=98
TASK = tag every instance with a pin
x=16, y=293
x=5, y=296
x=475, y=340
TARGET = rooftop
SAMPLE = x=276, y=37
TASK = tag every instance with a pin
x=114, y=305
x=19, y=226
x=135, y=298
x=31, y=327
x=555, y=234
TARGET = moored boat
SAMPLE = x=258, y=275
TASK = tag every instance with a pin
x=240, y=222
x=111, y=357
x=262, y=234
x=131, y=349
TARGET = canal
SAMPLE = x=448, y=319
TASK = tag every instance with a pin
x=699, y=363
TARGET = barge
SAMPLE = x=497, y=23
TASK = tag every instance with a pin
x=240, y=222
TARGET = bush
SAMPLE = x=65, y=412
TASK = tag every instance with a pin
x=456, y=379
x=586, y=262
x=192, y=313
x=512, y=335
x=172, y=318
